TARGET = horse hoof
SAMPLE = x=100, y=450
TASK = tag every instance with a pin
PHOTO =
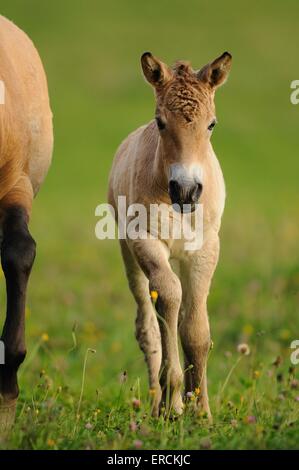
x=7, y=415
x=176, y=408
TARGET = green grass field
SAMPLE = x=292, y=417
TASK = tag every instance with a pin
x=78, y=298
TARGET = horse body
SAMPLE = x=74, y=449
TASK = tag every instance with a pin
x=26, y=137
x=26, y=141
x=172, y=161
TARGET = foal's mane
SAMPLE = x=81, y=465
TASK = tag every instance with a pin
x=186, y=95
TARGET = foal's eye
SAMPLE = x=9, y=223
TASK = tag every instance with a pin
x=161, y=125
x=212, y=125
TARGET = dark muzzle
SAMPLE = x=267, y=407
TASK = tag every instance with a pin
x=184, y=197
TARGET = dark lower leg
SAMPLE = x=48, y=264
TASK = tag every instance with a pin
x=17, y=256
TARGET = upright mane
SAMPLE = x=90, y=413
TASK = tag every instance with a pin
x=186, y=94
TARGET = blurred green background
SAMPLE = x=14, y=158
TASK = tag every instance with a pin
x=91, y=52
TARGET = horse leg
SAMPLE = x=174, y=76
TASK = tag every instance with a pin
x=147, y=328
x=153, y=259
x=17, y=256
x=194, y=327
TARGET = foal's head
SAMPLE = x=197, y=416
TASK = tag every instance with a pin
x=185, y=117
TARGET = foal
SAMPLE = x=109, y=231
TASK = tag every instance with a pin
x=171, y=160
x=26, y=140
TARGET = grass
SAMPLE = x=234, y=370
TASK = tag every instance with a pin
x=78, y=299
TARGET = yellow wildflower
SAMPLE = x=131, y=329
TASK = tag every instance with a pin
x=284, y=334
x=248, y=329
x=45, y=337
x=154, y=295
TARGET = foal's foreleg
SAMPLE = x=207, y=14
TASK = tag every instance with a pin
x=194, y=327
x=152, y=257
x=17, y=256
x=147, y=328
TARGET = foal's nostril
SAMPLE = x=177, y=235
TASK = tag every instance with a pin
x=184, y=194
x=196, y=192
x=174, y=191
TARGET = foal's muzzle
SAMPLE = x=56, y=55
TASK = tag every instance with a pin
x=184, y=197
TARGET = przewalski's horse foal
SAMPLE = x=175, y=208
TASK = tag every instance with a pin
x=171, y=160
x=26, y=141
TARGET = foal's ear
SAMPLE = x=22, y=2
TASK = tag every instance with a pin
x=155, y=71
x=216, y=73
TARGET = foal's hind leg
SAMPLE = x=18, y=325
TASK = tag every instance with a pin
x=147, y=328
x=17, y=256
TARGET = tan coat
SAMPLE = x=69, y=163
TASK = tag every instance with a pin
x=174, y=150
x=26, y=135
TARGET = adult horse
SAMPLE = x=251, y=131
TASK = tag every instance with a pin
x=171, y=161
x=26, y=141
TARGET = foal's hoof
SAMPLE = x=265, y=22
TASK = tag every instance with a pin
x=205, y=413
x=7, y=415
x=176, y=408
